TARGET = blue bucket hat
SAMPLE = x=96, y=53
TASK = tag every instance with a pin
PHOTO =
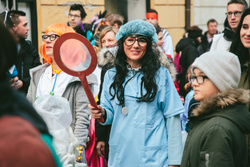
x=138, y=27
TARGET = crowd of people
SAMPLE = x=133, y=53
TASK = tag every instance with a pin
x=156, y=108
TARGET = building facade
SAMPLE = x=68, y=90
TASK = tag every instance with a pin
x=174, y=15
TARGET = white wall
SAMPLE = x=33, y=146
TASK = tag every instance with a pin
x=26, y=8
x=136, y=9
x=207, y=9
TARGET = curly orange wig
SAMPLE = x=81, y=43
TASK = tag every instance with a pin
x=59, y=29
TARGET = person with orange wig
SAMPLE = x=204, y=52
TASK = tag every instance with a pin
x=49, y=79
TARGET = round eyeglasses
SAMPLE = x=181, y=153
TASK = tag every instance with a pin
x=142, y=41
x=199, y=79
x=52, y=37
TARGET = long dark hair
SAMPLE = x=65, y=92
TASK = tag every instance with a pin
x=8, y=51
x=237, y=47
x=149, y=63
x=14, y=103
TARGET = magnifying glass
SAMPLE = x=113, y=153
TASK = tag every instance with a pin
x=75, y=55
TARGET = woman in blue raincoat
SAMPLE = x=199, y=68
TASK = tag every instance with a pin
x=139, y=99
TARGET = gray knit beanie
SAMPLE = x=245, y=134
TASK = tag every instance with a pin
x=221, y=67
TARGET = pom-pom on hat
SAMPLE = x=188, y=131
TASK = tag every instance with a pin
x=221, y=67
x=138, y=27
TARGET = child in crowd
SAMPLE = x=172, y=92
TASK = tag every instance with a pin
x=217, y=127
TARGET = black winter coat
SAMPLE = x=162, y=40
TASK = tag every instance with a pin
x=189, y=53
x=205, y=45
x=27, y=58
x=217, y=131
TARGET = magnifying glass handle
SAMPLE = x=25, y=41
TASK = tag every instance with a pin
x=93, y=103
x=89, y=94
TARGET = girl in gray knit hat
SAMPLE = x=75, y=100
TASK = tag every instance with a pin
x=219, y=124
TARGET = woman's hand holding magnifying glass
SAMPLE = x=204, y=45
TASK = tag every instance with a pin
x=98, y=114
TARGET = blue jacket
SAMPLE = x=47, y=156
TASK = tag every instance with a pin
x=140, y=138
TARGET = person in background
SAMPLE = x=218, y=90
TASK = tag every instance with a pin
x=152, y=17
x=241, y=47
x=189, y=96
x=76, y=17
x=189, y=104
x=107, y=41
x=28, y=138
x=207, y=37
x=27, y=55
x=222, y=41
x=97, y=37
x=187, y=47
x=140, y=101
x=50, y=79
x=161, y=42
x=107, y=37
x=114, y=20
x=217, y=127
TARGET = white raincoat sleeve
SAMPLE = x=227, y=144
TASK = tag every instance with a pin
x=168, y=44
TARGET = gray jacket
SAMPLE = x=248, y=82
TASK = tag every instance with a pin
x=76, y=96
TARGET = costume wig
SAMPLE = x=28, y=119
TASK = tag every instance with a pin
x=237, y=47
x=150, y=63
x=59, y=29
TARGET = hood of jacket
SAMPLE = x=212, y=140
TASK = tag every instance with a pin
x=228, y=32
x=107, y=55
x=183, y=43
x=226, y=105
